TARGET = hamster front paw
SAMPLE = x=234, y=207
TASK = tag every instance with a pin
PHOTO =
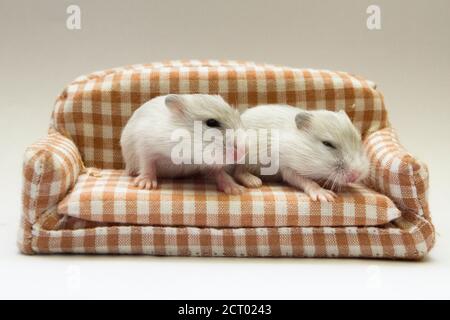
x=249, y=180
x=232, y=188
x=320, y=194
x=227, y=184
x=146, y=182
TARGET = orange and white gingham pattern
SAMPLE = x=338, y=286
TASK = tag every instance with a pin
x=110, y=196
x=409, y=237
x=94, y=108
x=396, y=173
x=51, y=167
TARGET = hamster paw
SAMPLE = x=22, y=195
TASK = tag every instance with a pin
x=231, y=187
x=145, y=182
x=321, y=194
x=234, y=189
x=249, y=180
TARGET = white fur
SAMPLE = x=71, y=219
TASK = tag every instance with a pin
x=302, y=150
x=147, y=135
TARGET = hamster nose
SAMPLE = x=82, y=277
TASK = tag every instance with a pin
x=352, y=176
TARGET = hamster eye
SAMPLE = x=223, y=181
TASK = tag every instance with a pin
x=213, y=123
x=328, y=144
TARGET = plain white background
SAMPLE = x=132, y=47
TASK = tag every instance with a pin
x=408, y=59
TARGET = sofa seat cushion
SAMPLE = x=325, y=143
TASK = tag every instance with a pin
x=110, y=196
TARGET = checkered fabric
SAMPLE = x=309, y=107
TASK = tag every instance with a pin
x=51, y=167
x=109, y=196
x=396, y=173
x=70, y=209
x=94, y=108
x=409, y=237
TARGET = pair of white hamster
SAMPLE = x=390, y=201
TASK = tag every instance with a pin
x=313, y=146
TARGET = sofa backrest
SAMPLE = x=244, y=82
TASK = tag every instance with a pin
x=93, y=109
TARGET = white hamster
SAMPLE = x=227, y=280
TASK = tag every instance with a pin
x=314, y=146
x=147, y=139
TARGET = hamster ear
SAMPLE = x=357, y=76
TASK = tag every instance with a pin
x=303, y=120
x=242, y=108
x=345, y=115
x=218, y=96
x=342, y=111
x=176, y=103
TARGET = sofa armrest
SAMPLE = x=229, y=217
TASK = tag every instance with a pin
x=51, y=167
x=396, y=173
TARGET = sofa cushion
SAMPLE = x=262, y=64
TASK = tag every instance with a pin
x=109, y=196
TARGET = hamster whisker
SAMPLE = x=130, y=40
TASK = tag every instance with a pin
x=328, y=182
x=333, y=186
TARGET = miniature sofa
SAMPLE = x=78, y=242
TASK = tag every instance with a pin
x=77, y=198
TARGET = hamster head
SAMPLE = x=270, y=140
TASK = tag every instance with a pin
x=213, y=114
x=332, y=147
